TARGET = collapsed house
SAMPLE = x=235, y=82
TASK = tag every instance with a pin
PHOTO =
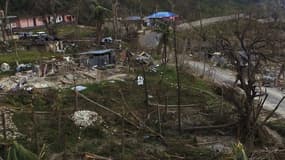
x=98, y=58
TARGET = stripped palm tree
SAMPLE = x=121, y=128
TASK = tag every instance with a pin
x=98, y=14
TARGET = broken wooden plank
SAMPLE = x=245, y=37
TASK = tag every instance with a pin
x=163, y=105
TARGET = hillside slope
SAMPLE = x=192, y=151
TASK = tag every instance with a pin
x=189, y=9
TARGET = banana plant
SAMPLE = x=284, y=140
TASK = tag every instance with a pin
x=239, y=152
x=19, y=152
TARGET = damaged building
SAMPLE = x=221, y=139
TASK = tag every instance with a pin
x=98, y=58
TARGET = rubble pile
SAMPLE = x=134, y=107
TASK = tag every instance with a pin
x=54, y=74
x=11, y=129
x=85, y=118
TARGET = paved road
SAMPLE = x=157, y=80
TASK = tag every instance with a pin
x=219, y=75
x=227, y=76
x=151, y=39
x=207, y=21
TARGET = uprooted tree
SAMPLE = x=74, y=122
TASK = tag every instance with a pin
x=249, y=45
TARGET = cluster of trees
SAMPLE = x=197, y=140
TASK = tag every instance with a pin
x=249, y=46
x=187, y=9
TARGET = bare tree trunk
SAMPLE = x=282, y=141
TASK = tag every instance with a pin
x=178, y=80
x=115, y=18
x=4, y=125
x=4, y=131
x=35, y=130
x=159, y=119
x=201, y=35
x=99, y=31
x=145, y=91
x=77, y=30
x=59, y=127
x=4, y=20
x=75, y=91
x=123, y=125
x=165, y=48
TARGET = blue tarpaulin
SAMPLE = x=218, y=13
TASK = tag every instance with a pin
x=159, y=15
x=79, y=88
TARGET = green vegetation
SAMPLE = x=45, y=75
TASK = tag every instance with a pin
x=69, y=31
x=188, y=9
x=18, y=152
x=25, y=56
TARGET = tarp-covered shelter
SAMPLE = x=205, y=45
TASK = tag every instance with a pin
x=160, y=15
x=100, y=58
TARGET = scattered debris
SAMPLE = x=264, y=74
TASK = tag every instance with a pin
x=24, y=67
x=154, y=68
x=79, y=88
x=107, y=40
x=91, y=156
x=85, y=118
x=220, y=148
x=118, y=77
x=10, y=128
x=5, y=67
x=56, y=73
x=144, y=58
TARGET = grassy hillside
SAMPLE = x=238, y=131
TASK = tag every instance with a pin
x=188, y=9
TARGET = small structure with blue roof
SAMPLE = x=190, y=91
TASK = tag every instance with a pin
x=98, y=58
x=161, y=15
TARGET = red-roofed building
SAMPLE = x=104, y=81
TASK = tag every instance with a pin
x=39, y=21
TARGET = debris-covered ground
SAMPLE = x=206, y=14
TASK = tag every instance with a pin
x=45, y=117
x=112, y=117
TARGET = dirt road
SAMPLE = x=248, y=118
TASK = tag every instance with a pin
x=207, y=21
